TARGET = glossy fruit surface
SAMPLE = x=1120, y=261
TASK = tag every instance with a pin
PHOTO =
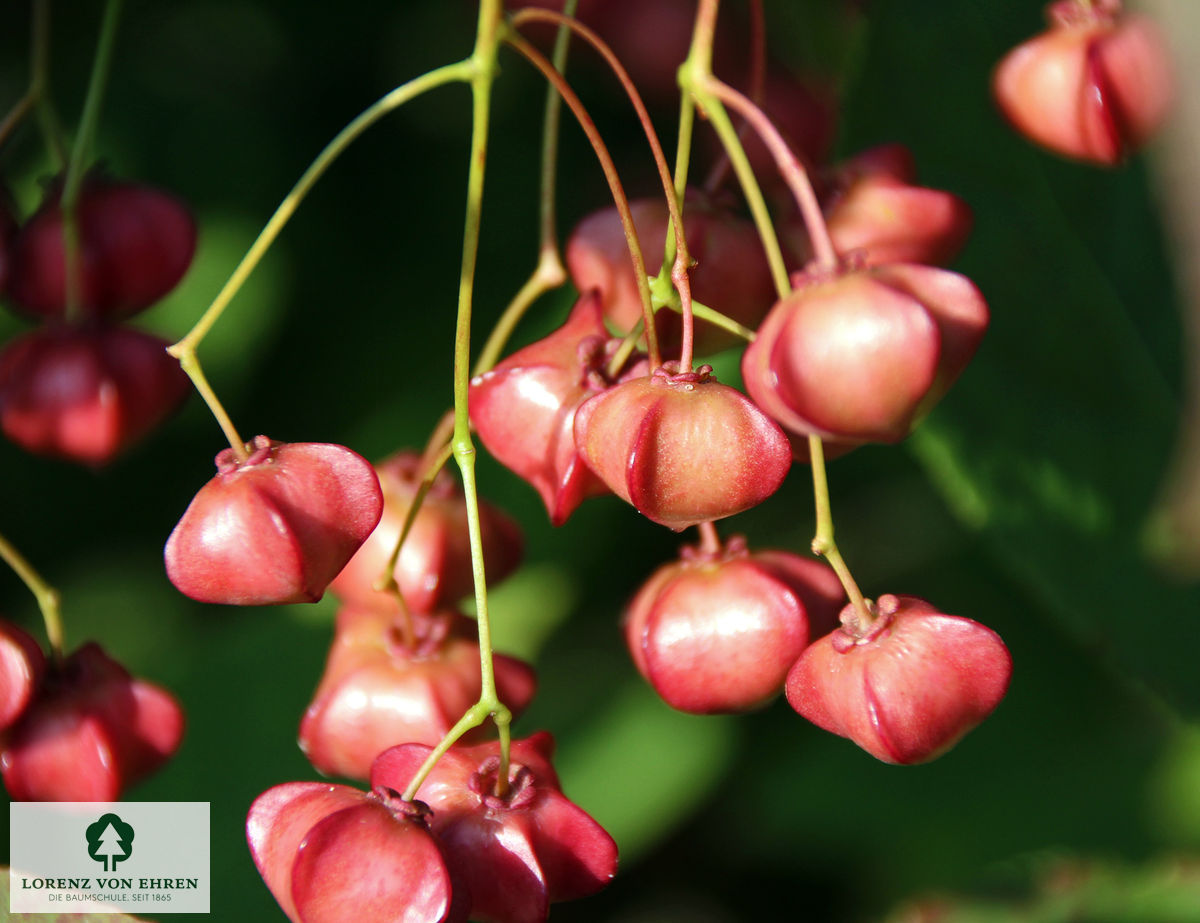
x=92, y=731
x=86, y=393
x=135, y=244
x=731, y=274
x=276, y=527
x=22, y=664
x=682, y=448
x=863, y=354
x=718, y=630
x=434, y=568
x=907, y=687
x=515, y=852
x=334, y=854
x=1095, y=86
x=379, y=689
x=524, y=408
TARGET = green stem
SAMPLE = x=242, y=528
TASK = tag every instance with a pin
x=47, y=597
x=823, y=543
x=185, y=349
x=81, y=153
x=695, y=76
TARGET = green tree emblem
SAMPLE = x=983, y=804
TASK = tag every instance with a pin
x=110, y=840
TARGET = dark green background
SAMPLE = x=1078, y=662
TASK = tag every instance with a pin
x=1020, y=503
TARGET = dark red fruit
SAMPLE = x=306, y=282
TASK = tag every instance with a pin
x=516, y=852
x=906, y=687
x=22, y=664
x=379, y=690
x=862, y=355
x=84, y=393
x=135, y=244
x=682, y=448
x=276, y=527
x=334, y=854
x=718, y=630
x=524, y=408
x=1095, y=86
x=434, y=569
x=92, y=731
x=731, y=274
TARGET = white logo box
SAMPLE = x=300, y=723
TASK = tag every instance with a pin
x=80, y=857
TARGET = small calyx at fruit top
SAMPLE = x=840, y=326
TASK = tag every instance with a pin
x=873, y=209
x=434, y=567
x=22, y=665
x=90, y=732
x=524, y=408
x=731, y=274
x=85, y=393
x=334, y=854
x=905, y=686
x=718, y=630
x=514, y=851
x=682, y=447
x=386, y=681
x=862, y=353
x=1095, y=86
x=276, y=526
x=135, y=244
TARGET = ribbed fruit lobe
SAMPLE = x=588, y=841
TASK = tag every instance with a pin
x=86, y=393
x=276, y=527
x=515, y=851
x=92, y=731
x=334, y=854
x=381, y=688
x=1094, y=86
x=434, y=568
x=524, y=408
x=905, y=688
x=718, y=630
x=863, y=354
x=682, y=448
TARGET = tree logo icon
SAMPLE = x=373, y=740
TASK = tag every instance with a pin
x=110, y=840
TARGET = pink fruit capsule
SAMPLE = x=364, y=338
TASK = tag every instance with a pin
x=92, y=731
x=434, y=568
x=682, y=448
x=334, y=854
x=524, y=408
x=905, y=688
x=86, y=393
x=731, y=274
x=515, y=851
x=863, y=354
x=717, y=631
x=379, y=688
x=1095, y=86
x=275, y=527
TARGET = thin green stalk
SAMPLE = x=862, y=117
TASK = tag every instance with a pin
x=47, y=597
x=81, y=152
x=696, y=78
x=185, y=349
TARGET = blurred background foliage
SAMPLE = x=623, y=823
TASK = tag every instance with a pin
x=1020, y=503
